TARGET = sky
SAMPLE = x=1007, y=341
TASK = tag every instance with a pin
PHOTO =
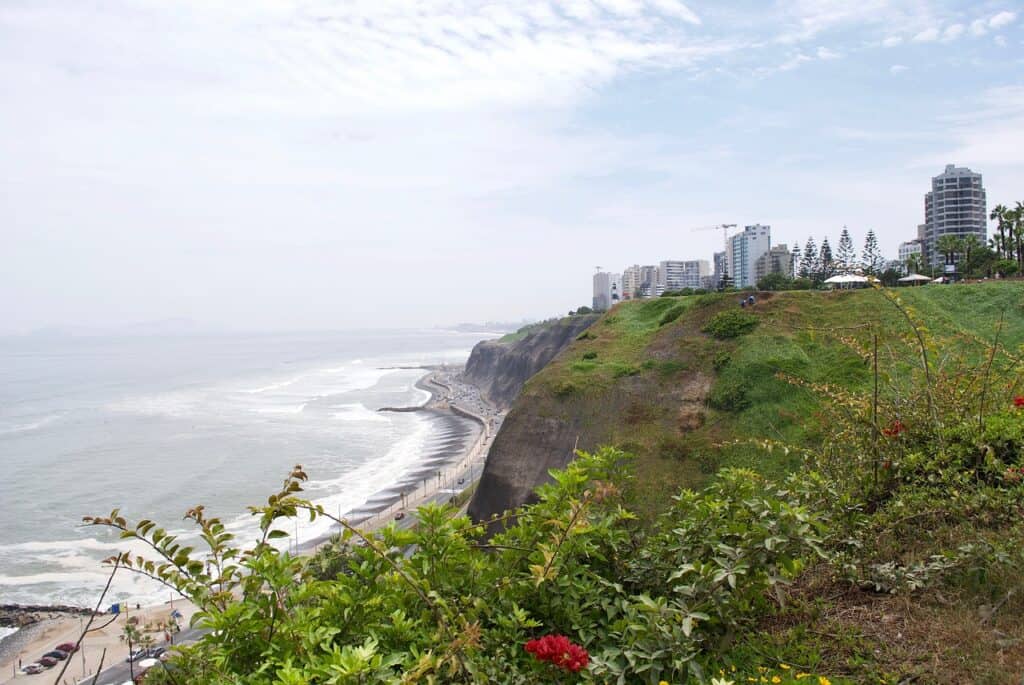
x=304, y=164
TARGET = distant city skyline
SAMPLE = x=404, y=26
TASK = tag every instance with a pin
x=296, y=165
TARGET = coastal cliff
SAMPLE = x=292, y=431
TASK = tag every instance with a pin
x=500, y=368
x=690, y=385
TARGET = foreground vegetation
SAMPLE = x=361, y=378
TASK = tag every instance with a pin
x=885, y=549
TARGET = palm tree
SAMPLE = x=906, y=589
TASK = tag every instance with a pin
x=970, y=243
x=1016, y=217
x=914, y=265
x=950, y=245
x=999, y=215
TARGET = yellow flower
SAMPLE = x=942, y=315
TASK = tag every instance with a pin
x=802, y=675
x=662, y=682
x=822, y=680
x=776, y=679
x=784, y=667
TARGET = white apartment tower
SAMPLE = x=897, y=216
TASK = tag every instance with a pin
x=631, y=282
x=676, y=275
x=955, y=206
x=743, y=251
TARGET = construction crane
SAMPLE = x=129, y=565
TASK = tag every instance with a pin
x=725, y=246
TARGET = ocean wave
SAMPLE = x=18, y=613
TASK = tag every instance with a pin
x=7, y=631
x=30, y=426
x=356, y=412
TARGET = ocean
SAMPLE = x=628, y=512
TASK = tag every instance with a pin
x=155, y=425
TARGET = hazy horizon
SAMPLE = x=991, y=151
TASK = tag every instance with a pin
x=311, y=165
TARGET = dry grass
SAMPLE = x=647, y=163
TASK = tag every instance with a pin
x=928, y=637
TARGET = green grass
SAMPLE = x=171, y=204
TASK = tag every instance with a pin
x=628, y=381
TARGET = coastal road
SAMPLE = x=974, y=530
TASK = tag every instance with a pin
x=121, y=672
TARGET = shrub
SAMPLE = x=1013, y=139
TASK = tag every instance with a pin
x=586, y=335
x=583, y=366
x=671, y=315
x=620, y=370
x=730, y=323
x=775, y=281
x=729, y=395
x=722, y=359
x=590, y=355
x=566, y=389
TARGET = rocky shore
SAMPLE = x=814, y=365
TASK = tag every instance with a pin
x=21, y=615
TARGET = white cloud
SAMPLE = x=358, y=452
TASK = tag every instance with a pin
x=926, y=36
x=990, y=132
x=898, y=69
x=892, y=41
x=1002, y=19
x=825, y=53
x=794, y=62
x=979, y=27
x=953, y=32
x=674, y=8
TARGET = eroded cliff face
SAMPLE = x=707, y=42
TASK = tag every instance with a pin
x=644, y=392
x=500, y=369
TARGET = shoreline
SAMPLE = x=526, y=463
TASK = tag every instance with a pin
x=453, y=468
x=448, y=467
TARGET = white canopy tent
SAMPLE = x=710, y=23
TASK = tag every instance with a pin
x=847, y=281
x=914, y=279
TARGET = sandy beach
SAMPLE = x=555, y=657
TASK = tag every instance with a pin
x=441, y=475
x=31, y=642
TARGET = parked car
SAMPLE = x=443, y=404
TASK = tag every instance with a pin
x=33, y=668
x=69, y=647
x=136, y=655
x=48, y=661
x=58, y=654
x=157, y=652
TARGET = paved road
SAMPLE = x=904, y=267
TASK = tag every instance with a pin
x=121, y=672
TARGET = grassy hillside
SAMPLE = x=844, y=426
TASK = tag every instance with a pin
x=648, y=379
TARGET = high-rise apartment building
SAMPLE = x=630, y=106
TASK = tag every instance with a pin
x=955, y=206
x=676, y=275
x=744, y=249
x=777, y=260
x=603, y=282
x=631, y=282
x=649, y=279
x=720, y=261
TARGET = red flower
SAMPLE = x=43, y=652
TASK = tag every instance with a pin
x=560, y=651
x=1018, y=401
x=894, y=429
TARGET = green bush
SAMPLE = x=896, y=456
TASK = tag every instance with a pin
x=730, y=323
x=590, y=355
x=671, y=315
x=620, y=370
x=722, y=359
x=729, y=395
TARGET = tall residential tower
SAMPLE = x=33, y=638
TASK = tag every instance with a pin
x=955, y=206
x=744, y=249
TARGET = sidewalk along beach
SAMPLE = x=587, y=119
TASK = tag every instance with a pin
x=449, y=466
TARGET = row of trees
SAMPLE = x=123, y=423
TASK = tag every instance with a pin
x=819, y=264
